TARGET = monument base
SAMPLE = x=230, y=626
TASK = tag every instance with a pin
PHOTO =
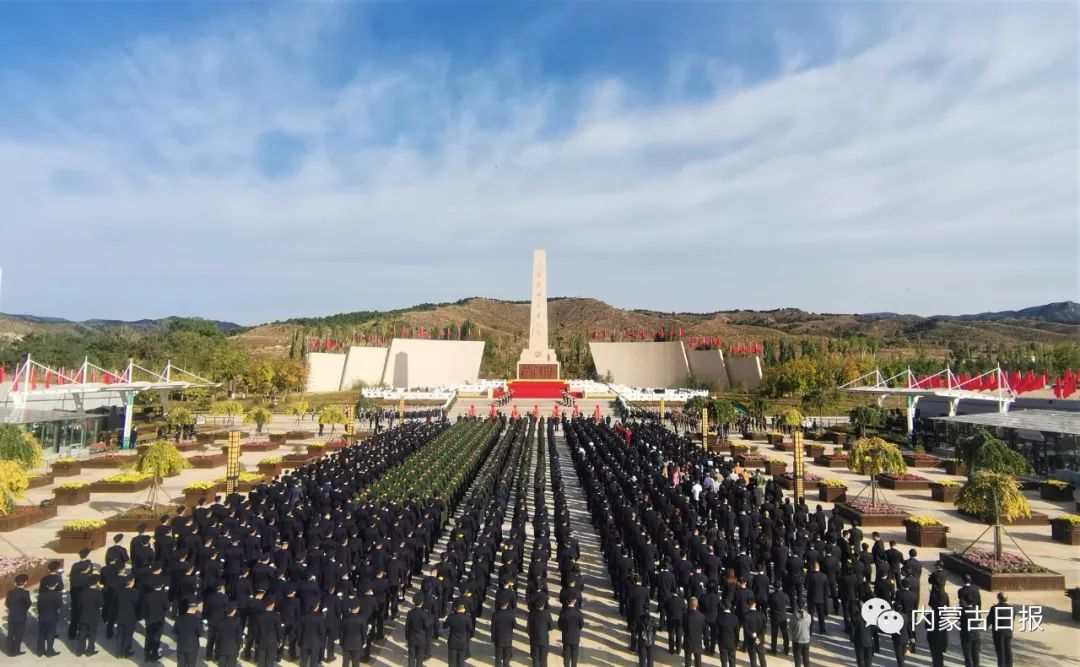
x=544, y=389
x=537, y=371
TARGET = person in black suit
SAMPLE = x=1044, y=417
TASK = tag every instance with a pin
x=91, y=601
x=727, y=633
x=778, y=617
x=419, y=632
x=970, y=635
x=49, y=601
x=460, y=629
x=863, y=639
x=503, y=623
x=268, y=628
x=694, y=633
x=817, y=595
x=674, y=611
x=754, y=628
x=188, y=629
x=17, y=603
x=231, y=638
x=80, y=571
x=127, y=599
x=571, y=623
x=155, y=608
x=539, y=624
x=311, y=635
x=353, y=635
x=645, y=636
x=1000, y=620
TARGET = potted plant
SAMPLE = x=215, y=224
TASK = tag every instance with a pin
x=945, y=490
x=787, y=480
x=34, y=567
x=921, y=460
x=114, y=460
x=1065, y=529
x=277, y=438
x=836, y=459
x=774, y=438
x=271, y=466
x=159, y=460
x=299, y=456
x=259, y=416
x=316, y=449
x=81, y=534
x=124, y=482
x=196, y=491
x=832, y=490
x=1057, y=490
x=904, y=481
x=926, y=531
x=775, y=467
x=40, y=479
x=873, y=457
x=208, y=460
x=955, y=467
x=1074, y=595
x=66, y=467
x=72, y=493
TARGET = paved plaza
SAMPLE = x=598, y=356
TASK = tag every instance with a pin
x=605, y=639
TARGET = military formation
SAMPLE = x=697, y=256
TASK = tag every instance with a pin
x=704, y=560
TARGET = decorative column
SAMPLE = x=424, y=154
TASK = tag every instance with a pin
x=797, y=438
x=129, y=405
x=232, y=462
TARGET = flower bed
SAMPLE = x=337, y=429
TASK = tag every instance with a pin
x=277, y=437
x=296, y=459
x=918, y=460
x=40, y=480
x=775, y=467
x=1029, y=482
x=784, y=446
x=108, y=461
x=299, y=435
x=66, y=467
x=336, y=445
x=813, y=451
x=204, y=438
x=839, y=438
x=83, y=534
x=955, y=467
x=863, y=513
x=1056, y=490
x=924, y=531
x=122, y=483
x=22, y=516
x=130, y=519
x=193, y=494
x=1065, y=529
x=751, y=460
x=945, y=491
x=759, y=436
x=316, y=449
x=832, y=490
x=787, y=480
x=831, y=460
x=207, y=460
x=774, y=438
x=34, y=567
x=1012, y=573
x=903, y=482
x=260, y=446
x=72, y=493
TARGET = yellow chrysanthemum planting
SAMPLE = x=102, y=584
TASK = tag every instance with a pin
x=13, y=485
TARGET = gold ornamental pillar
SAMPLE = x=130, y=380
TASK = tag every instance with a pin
x=705, y=428
x=232, y=462
x=799, y=467
x=349, y=425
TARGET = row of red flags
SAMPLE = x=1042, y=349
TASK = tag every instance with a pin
x=1022, y=383
x=64, y=376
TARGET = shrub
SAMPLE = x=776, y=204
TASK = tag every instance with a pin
x=983, y=451
x=65, y=461
x=946, y=482
x=160, y=459
x=989, y=495
x=272, y=460
x=1057, y=483
x=83, y=525
x=1071, y=518
x=833, y=483
x=125, y=477
x=20, y=446
x=13, y=485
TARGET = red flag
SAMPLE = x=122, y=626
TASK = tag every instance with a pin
x=33, y=378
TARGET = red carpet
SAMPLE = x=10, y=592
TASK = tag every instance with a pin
x=537, y=388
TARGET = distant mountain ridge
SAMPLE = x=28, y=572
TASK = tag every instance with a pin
x=146, y=324
x=1060, y=312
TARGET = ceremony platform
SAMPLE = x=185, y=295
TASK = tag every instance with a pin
x=537, y=388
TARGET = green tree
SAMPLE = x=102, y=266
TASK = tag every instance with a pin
x=792, y=418
x=864, y=417
x=819, y=399
x=259, y=416
x=982, y=451
x=19, y=445
x=723, y=413
x=230, y=409
x=872, y=457
x=332, y=415
x=297, y=408
x=229, y=362
x=993, y=497
x=179, y=416
x=159, y=459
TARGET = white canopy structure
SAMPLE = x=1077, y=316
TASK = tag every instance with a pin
x=89, y=380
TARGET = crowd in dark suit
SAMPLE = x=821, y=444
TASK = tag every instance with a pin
x=729, y=563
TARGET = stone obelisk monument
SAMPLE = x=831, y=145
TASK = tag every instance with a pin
x=538, y=361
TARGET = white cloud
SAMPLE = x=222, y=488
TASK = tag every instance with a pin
x=942, y=132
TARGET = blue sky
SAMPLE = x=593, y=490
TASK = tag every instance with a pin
x=252, y=162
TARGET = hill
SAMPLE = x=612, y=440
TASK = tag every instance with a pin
x=12, y=325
